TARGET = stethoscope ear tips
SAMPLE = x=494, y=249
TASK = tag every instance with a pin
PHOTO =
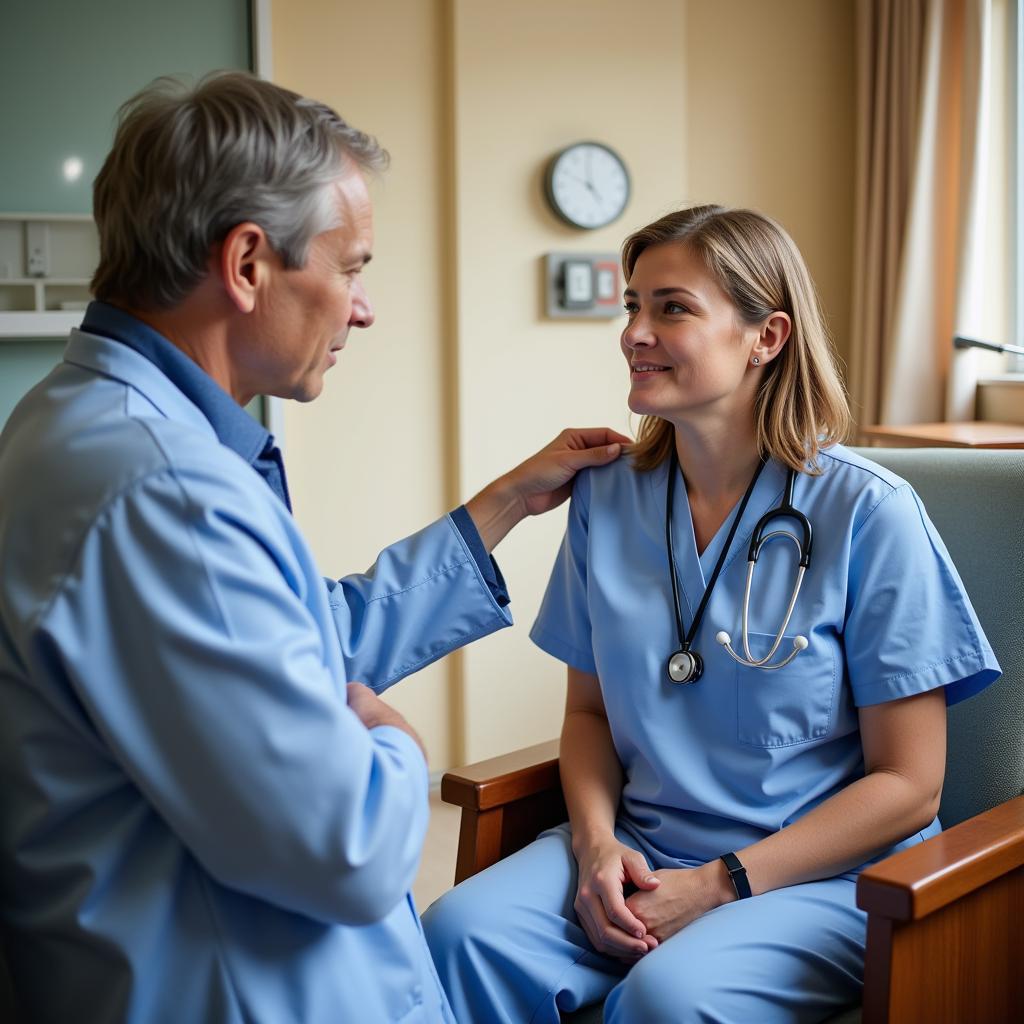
x=724, y=639
x=800, y=643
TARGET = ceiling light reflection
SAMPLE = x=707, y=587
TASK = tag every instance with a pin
x=72, y=168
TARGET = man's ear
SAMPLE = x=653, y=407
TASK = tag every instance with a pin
x=774, y=334
x=244, y=264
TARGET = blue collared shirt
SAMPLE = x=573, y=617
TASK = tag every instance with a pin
x=235, y=428
x=196, y=826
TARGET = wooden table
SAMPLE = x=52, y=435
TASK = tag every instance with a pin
x=975, y=434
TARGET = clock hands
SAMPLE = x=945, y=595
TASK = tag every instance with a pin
x=587, y=185
x=586, y=182
x=589, y=182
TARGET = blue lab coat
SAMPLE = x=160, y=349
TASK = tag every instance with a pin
x=195, y=826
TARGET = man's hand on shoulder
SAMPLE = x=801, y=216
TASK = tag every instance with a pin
x=372, y=711
x=543, y=481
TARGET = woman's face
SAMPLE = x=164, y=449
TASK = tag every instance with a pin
x=688, y=350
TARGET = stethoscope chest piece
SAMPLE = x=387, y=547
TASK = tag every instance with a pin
x=685, y=667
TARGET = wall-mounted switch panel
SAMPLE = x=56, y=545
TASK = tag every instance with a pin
x=582, y=284
x=37, y=248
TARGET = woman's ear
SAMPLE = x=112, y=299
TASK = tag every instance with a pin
x=774, y=333
x=244, y=265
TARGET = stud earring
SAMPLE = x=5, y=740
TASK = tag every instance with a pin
x=756, y=361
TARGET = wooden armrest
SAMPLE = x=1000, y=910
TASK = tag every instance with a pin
x=502, y=780
x=506, y=801
x=946, y=925
x=917, y=881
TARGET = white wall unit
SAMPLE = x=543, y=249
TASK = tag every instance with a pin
x=62, y=251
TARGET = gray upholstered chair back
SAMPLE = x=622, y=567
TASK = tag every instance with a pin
x=976, y=500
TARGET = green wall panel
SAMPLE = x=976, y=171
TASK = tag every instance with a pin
x=65, y=68
x=67, y=65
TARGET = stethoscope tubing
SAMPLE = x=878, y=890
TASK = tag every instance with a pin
x=685, y=665
x=690, y=666
x=786, y=510
x=789, y=611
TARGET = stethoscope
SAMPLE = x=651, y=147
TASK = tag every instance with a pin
x=686, y=665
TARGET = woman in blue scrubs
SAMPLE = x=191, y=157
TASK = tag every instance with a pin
x=717, y=826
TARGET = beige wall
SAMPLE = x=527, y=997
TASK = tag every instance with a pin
x=530, y=78
x=771, y=124
x=462, y=376
x=366, y=461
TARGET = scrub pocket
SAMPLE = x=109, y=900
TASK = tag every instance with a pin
x=785, y=706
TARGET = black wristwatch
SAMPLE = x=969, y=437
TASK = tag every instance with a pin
x=738, y=874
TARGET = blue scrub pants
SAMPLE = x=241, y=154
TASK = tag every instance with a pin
x=508, y=948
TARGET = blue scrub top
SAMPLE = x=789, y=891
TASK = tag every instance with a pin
x=719, y=764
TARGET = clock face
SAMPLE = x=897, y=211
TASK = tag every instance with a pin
x=587, y=185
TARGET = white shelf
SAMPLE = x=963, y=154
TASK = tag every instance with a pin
x=47, y=324
x=66, y=249
x=82, y=282
x=62, y=218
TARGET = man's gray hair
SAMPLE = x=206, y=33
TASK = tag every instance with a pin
x=190, y=164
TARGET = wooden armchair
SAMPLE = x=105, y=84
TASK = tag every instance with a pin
x=946, y=918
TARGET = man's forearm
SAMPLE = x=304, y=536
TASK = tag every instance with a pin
x=542, y=482
x=495, y=511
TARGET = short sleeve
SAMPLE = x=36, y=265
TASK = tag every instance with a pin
x=562, y=628
x=909, y=624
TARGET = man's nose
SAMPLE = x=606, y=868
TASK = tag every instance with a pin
x=362, y=309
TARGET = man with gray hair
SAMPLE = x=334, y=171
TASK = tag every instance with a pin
x=205, y=819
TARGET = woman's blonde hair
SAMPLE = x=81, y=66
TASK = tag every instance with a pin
x=801, y=405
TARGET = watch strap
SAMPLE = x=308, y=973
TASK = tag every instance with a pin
x=738, y=874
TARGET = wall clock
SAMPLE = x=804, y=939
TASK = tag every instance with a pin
x=587, y=185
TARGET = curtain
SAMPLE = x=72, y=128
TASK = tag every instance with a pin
x=983, y=297
x=924, y=232
x=890, y=52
